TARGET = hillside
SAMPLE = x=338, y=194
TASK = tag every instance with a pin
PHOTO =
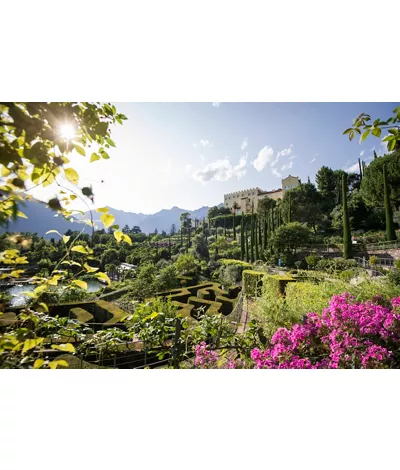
x=42, y=219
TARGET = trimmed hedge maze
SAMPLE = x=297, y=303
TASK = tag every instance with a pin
x=207, y=298
x=94, y=312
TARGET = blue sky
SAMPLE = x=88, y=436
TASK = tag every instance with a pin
x=190, y=154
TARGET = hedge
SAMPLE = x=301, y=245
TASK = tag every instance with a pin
x=210, y=307
x=252, y=282
x=81, y=315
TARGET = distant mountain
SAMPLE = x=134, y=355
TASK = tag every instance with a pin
x=42, y=219
x=161, y=220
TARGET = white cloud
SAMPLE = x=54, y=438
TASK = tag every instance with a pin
x=292, y=157
x=221, y=170
x=244, y=144
x=312, y=160
x=188, y=167
x=283, y=153
x=276, y=173
x=352, y=169
x=216, y=104
x=287, y=166
x=203, y=143
x=264, y=157
x=362, y=153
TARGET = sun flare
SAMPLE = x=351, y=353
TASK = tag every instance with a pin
x=67, y=131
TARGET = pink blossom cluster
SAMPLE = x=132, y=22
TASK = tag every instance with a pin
x=205, y=359
x=346, y=335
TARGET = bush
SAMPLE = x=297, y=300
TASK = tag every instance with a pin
x=347, y=335
x=312, y=260
x=332, y=265
x=394, y=277
x=252, y=283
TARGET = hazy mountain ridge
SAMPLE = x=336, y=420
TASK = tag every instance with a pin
x=41, y=219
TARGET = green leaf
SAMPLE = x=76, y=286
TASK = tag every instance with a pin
x=90, y=269
x=94, y=157
x=347, y=131
x=103, y=277
x=82, y=249
x=101, y=129
x=54, y=364
x=102, y=209
x=110, y=142
x=66, y=238
x=71, y=175
x=80, y=150
x=38, y=363
x=364, y=136
x=31, y=343
x=67, y=347
x=392, y=145
x=21, y=214
x=376, y=131
x=118, y=235
x=80, y=284
x=107, y=220
x=351, y=135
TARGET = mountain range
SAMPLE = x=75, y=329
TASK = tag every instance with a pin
x=42, y=219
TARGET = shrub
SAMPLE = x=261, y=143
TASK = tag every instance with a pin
x=347, y=335
x=252, y=283
x=312, y=260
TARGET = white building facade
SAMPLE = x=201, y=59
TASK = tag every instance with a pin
x=247, y=199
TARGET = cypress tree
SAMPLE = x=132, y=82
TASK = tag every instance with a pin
x=390, y=230
x=265, y=231
x=216, y=230
x=242, y=247
x=256, y=237
x=347, y=246
x=290, y=208
x=252, y=239
x=361, y=172
x=247, y=242
x=224, y=226
x=234, y=228
x=260, y=242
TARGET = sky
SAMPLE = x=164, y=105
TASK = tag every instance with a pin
x=190, y=154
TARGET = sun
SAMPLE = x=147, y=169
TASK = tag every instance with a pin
x=67, y=131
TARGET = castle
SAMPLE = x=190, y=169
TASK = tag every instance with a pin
x=248, y=198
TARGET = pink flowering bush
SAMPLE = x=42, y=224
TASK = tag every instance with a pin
x=205, y=359
x=346, y=335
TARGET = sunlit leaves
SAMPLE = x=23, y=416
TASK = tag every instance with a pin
x=103, y=277
x=38, y=363
x=103, y=209
x=31, y=343
x=55, y=364
x=66, y=238
x=120, y=236
x=90, y=269
x=107, y=220
x=94, y=157
x=53, y=231
x=80, y=284
x=82, y=249
x=71, y=175
x=67, y=347
x=79, y=149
